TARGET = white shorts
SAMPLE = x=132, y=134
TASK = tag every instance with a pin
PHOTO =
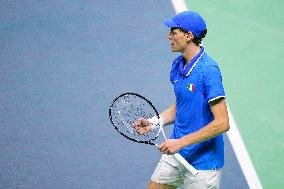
x=169, y=171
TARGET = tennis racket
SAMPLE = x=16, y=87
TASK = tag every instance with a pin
x=126, y=109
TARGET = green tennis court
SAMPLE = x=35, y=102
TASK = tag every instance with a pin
x=248, y=40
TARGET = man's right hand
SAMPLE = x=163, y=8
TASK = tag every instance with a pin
x=142, y=126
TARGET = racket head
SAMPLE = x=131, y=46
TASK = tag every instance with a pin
x=128, y=108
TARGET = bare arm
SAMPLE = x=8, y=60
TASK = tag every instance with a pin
x=169, y=115
x=219, y=125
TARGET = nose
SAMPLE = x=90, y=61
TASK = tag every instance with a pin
x=170, y=36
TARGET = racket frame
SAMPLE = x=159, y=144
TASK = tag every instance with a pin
x=177, y=156
x=129, y=138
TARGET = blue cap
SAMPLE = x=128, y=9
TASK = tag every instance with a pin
x=189, y=21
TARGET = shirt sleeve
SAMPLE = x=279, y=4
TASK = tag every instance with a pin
x=212, y=82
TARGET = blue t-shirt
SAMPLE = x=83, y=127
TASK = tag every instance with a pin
x=195, y=86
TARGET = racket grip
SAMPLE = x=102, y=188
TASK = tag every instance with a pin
x=189, y=167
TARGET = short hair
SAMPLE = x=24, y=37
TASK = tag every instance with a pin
x=196, y=40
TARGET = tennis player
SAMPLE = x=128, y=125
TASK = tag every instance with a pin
x=199, y=113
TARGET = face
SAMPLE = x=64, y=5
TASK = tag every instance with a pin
x=178, y=39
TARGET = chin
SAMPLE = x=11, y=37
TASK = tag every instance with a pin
x=174, y=50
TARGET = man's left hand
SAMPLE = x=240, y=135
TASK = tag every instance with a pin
x=171, y=146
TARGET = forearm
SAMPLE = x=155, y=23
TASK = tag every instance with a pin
x=169, y=114
x=211, y=130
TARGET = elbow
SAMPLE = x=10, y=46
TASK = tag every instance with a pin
x=224, y=125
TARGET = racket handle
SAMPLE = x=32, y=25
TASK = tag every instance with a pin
x=189, y=167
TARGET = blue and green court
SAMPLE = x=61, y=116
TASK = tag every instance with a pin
x=62, y=63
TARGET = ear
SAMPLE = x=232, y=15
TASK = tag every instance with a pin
x=189, y=36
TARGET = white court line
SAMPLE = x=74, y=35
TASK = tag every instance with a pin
x=242, y=154
x=233, y=134
x=179, y=6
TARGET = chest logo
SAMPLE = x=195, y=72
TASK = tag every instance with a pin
x=190, y=87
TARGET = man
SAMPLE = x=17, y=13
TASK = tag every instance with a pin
x=199, y=113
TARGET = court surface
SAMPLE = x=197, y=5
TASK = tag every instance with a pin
x=246, y=39
x=62, y=63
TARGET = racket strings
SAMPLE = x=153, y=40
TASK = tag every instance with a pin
x=127, y=123
x=126, y=110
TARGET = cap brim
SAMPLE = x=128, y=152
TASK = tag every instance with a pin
x=170, y=23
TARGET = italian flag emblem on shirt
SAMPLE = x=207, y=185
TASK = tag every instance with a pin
x=190, y=87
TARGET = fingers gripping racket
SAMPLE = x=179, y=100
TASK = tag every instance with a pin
x=130, y=107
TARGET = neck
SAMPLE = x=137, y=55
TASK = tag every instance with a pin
x=190, y=52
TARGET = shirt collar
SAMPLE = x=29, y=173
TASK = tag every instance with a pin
x=192, y=63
